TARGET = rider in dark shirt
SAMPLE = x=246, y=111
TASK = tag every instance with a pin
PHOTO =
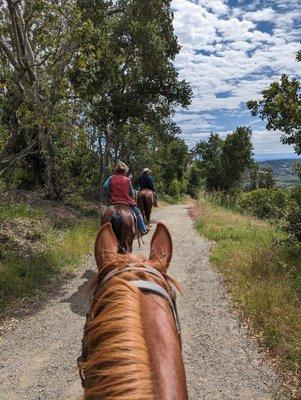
x=146, y=182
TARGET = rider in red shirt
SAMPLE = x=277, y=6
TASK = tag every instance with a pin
x=119, y=190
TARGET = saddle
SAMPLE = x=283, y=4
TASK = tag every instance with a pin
x=124, y=204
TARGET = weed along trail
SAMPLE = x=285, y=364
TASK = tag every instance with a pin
x=39, y=351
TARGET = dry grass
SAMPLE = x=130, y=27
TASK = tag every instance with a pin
x=263, y=273
x=38, y=247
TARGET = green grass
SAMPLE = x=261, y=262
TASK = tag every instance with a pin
x=166, y=199
x=10, y=212
x=263, y=274
x=68, y=248
x=59, y=249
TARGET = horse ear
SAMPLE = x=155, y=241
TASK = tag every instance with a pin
x=161, y=245
x=106, y=245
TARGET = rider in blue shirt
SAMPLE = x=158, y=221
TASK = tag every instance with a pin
x=146, y=182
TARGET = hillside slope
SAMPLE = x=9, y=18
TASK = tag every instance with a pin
x=221, y=361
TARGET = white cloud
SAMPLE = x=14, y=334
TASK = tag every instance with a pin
x=223, y=50
x=266, y=14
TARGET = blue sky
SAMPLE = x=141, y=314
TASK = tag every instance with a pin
x=231, y=51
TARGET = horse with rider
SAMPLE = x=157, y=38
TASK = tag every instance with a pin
x=126, y=217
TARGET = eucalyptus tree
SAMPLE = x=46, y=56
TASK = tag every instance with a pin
x=35, y=51
x=124, y=70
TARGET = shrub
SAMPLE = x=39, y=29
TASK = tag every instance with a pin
x=293, y=221
x=174, y=188
x=293, y=217
x=194, y=181
x=3, y=186
x=184, y=186
x=264, y=203
x=75, y=200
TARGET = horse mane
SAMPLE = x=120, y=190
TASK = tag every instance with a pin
x=114, y=335
x=116, y=358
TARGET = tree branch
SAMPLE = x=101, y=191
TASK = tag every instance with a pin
x=115, y=11
x=5, y=49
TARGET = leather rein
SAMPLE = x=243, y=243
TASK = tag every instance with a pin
x=144, y=286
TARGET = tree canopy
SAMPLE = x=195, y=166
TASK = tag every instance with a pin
x=222, y=162
x=280, y=106
x=84, y=84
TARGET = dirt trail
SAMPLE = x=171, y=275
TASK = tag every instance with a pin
x=38, y=352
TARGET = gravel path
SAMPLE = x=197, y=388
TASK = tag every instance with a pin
x=39, y=352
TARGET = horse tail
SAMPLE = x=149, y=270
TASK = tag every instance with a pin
x=145, y=205
x=116, y=225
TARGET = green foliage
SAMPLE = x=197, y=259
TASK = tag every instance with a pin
x=75, y=200
x=260, y=177
x=293, y=217
x=297, y=169
x=223, y=162
x=293, y=221
x=101, y=86
x=265, y=178
x=129, y=83
x=3, y=186
x=264, y=203
x=173, y=161
x=236, y=156
x=32, y=260
x=184, y=185
x=174, y=189
x=13, y=211
x=194, y=181
x=282, y=206
x=263, y=276
x=281, y=107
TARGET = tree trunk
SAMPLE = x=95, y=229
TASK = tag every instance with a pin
x=52, y=183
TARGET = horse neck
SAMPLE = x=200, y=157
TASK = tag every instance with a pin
x=164, y=349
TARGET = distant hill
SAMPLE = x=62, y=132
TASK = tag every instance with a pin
x=282, y=171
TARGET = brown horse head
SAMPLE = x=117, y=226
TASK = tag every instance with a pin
x=124, y=225
x=131, y=346
x=145, y=201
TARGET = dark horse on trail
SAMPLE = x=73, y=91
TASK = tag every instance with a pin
x=124, y=225
x=145, y=201
x=131, y=347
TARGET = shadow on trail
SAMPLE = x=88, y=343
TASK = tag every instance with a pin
x=81, y=299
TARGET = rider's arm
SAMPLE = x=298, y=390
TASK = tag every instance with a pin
x=107, y=186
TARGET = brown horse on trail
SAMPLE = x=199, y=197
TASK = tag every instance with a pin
x=124, y=225
x=145, y=201
x=131, y=344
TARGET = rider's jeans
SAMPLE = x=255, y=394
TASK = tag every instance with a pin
x=141, y=225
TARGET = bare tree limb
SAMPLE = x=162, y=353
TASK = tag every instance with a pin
x=115, y=11
x=15, y=34
x=9, y=163
x=5, y=49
